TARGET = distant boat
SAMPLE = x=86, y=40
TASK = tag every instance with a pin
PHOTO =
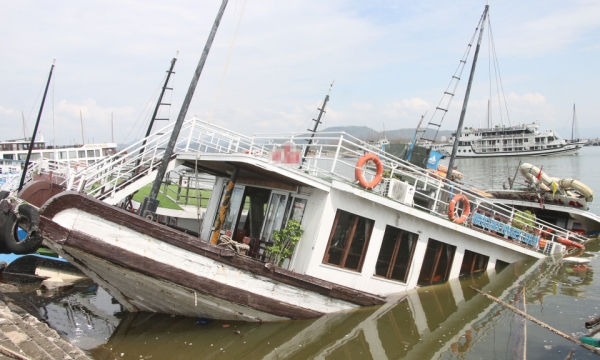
x=520, y=140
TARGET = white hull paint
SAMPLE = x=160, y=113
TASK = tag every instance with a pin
x=163, y=296
x=145, y=293
x=467, y=152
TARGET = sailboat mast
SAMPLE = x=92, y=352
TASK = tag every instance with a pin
x=314, y=130
x=82, y=136
x=112, y=128
x=24, y=129
x=150, y=203
x=37, y=123
x=573, y=123
x=466, y=101
x=158, y=104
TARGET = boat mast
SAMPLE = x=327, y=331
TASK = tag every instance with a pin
x=317, y=122
x=466, y=101
x=35, y=129
x=151, y=203
x=112, y=128
x=158, y=104
x=82, y=136
x=573, y=123
x=24, y=128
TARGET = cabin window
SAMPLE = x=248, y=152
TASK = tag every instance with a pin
x=274, y=217
x=348, y=241
x=81, y=154
x=90, y=153
x=8, y=156
x=234, y=209
x=22, y=156
x=72, y=154
x=473, y=263
x=295, y=209
x=436, y=263
x=62, y=154
x=395, y=255
x=97, y=153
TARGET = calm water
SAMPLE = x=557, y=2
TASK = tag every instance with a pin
x=494, y=172
x=448, y=321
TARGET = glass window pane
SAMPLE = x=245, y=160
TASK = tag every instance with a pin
x=81, y=154
x=298, y=209
x=274, y=215
x=338, y=241
x=234, y=209
x=349, y=240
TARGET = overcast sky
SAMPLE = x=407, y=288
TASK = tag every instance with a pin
x=391, y=61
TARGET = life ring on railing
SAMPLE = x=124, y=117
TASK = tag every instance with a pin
x=358, y=171
x=78, y=165
x=568, y=242
x=452, y=209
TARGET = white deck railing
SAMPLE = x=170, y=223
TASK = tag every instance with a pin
x=332, y=156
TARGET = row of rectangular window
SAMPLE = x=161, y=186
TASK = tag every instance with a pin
x=349, y=241
x=62, y=155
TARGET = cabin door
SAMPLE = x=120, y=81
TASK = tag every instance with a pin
x=275, y=213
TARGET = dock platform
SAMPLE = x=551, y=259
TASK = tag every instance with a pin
x=22, y=336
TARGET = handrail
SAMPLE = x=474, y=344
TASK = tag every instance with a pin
x=332, y=156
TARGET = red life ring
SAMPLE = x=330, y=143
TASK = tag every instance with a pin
x=568, y=242
x=452, y=215
x=358, y=171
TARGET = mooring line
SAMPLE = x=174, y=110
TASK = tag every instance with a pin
x=542, y=324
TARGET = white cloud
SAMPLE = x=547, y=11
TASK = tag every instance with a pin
x=285, y=57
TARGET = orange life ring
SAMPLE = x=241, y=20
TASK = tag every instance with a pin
x=452, y=207
x=568, y=242
x=358, y=171
x=79, y=164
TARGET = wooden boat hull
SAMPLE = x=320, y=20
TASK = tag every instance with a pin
x=150, y=267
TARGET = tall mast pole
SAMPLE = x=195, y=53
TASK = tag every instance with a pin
x=151, y=203
x=112, y=128
x=37, y=123
x=24, y=129
x=82, y=136
x=573, y=123
x=466, y=101
x=317, y=122
x=158, y=104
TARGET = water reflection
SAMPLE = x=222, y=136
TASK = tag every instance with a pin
x=447, y=321
x=421, y=324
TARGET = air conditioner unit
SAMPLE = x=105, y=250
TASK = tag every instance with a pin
x=554, y=248
x=400, y=191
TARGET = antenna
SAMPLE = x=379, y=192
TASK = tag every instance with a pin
x=112, y=128
x=82, y=136
x=24, y=128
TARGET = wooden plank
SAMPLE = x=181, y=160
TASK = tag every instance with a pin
x=156, y=269
x=163, y=233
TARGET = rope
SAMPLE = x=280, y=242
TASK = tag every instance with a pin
x=531, y=318
x=455, y=79
x=145, y=110
x=227, y=242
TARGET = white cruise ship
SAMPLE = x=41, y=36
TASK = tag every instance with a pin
x=80, y=155
x=520, y=140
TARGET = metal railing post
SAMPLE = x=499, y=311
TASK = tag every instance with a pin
x=337, y=152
